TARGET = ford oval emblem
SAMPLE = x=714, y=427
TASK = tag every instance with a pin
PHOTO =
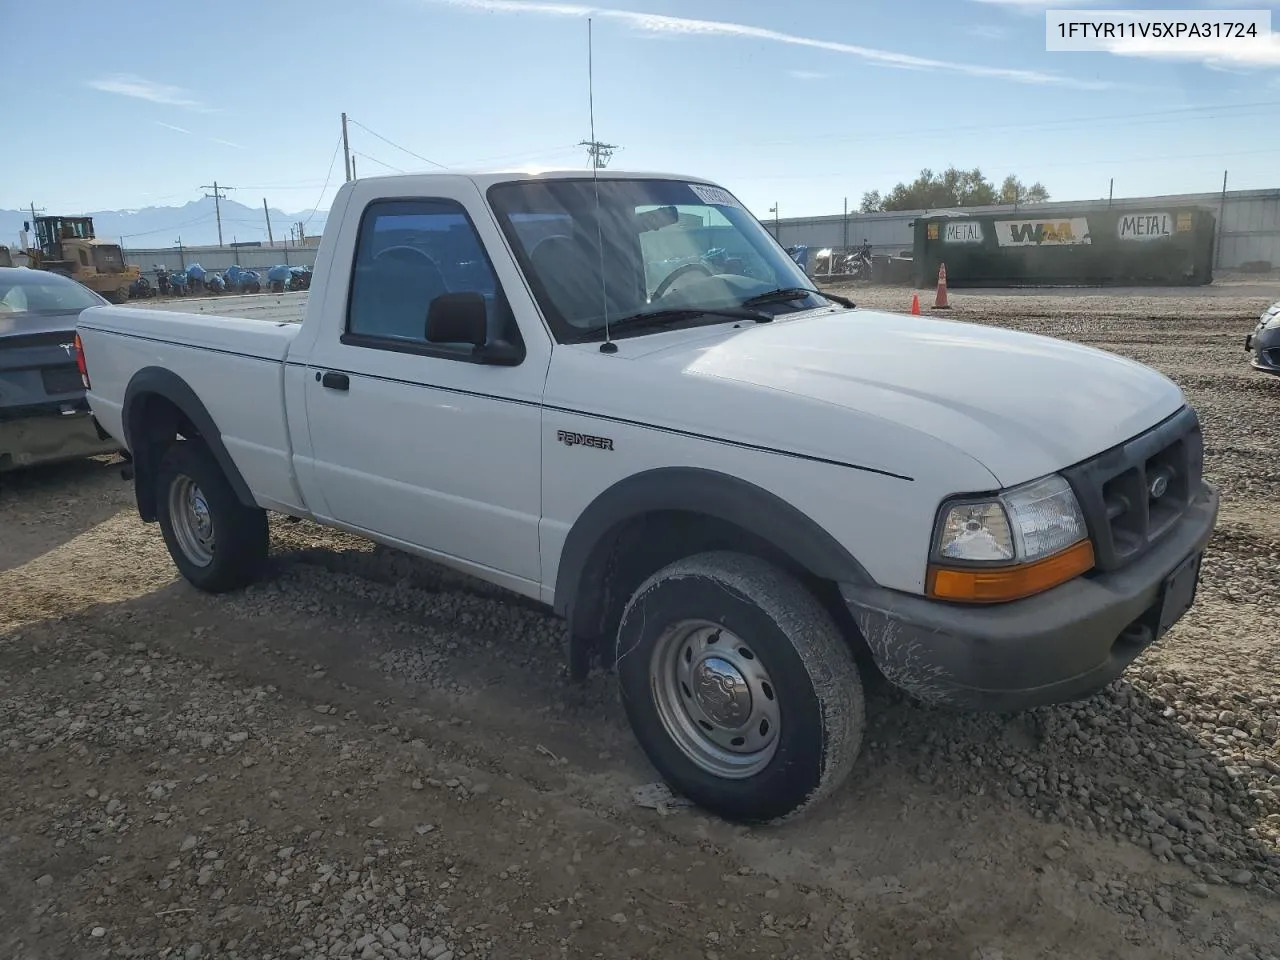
x=1158, y=487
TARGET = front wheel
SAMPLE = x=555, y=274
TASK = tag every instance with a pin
x=739, y=687
x=217, y=543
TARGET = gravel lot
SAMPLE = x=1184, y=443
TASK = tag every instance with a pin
x=364, y=756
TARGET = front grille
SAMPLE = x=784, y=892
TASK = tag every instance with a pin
x=1133, y=494
x=61, y=379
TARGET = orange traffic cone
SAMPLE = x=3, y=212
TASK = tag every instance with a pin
x=915, y=304
x=940, y=302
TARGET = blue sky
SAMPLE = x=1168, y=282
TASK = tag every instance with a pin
x=799, y=103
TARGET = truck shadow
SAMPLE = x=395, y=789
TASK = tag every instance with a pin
x=69, y=498
x=1155, y=759
x=1173, y=765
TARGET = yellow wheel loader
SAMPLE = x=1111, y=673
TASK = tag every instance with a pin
x=67, y=245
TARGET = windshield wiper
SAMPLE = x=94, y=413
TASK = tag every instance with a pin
x=663, y=318
x=794, y=293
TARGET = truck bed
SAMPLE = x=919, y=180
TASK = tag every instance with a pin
x=234, y=365
x=286, y=307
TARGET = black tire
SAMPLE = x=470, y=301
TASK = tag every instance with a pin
x=240, y=538
x=811, y=672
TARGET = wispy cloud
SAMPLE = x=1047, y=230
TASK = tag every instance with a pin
x=653, y=23
x=1041, y=4
x=228, y=143
x=986, y=31
x=1217, y=53
x=807, y=75
x=128, y=85
x=170, y=126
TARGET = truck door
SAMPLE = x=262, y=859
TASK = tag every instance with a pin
x=414, y=440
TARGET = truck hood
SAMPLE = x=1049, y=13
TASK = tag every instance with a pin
x=1021, y=404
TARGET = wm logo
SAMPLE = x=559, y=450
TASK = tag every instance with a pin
x=1041, y=232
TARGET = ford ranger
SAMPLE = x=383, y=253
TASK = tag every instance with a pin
x=616, y=394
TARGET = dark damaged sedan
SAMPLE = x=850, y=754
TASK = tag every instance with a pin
x=43, y=413
x=1264, y=342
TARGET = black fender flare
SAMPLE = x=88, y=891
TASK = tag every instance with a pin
x=712, y=494
x=159, y=382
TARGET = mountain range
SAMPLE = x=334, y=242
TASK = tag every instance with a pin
x=195, y=222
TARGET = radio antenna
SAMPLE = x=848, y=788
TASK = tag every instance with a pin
x=608, y=346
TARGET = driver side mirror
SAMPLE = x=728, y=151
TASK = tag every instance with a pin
x=464, y=318
x=458, y=318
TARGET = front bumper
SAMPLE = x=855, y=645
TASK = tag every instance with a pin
x=1061, y=645
x=1265, y=347
x=50, y=438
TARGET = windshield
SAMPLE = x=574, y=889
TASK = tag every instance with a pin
x=37, y=292
x=648, y=245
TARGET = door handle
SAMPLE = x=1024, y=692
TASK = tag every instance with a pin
x=335, y=381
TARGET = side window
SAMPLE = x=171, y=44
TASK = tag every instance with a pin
x=408, y=253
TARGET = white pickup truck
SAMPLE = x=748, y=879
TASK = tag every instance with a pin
x=617, y=394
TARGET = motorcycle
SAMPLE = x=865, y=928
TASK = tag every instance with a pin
x=141, y=289
x=299, y=278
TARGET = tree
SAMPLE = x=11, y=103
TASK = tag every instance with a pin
x=952, y=188
x=1014, y=191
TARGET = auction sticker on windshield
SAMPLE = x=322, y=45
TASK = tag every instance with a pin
x=716, y=196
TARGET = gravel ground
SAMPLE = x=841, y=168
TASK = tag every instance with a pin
x=365, y=756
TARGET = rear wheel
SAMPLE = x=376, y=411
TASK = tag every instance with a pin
x=217, y=543
x=739, y=687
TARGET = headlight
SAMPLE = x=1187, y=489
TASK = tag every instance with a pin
x=1270, y=323
x=1009, y=545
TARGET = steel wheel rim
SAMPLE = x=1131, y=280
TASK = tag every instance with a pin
x=192, y=520
x=715, y=699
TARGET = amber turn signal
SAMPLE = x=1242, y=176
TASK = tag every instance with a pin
x=998, y=584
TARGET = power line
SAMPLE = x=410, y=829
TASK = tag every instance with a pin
x=204, y=218
x=811, y=174
x=1144, y=117
x=381, y=163
x=558, y=151
x=396, y=145
x=332, y=160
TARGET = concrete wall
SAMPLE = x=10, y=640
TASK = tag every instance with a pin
x=215, y=259
x=1249, y=227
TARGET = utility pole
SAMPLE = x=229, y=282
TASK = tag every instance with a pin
x=354, y=176
x=598, y=153
x=302, y=233
x=846, y=224
x=777, y=230
x=1111, y=191
x=267, y=213
x=181, y=258
x=219, y=194
x=1222, y=206
x=346, y=148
